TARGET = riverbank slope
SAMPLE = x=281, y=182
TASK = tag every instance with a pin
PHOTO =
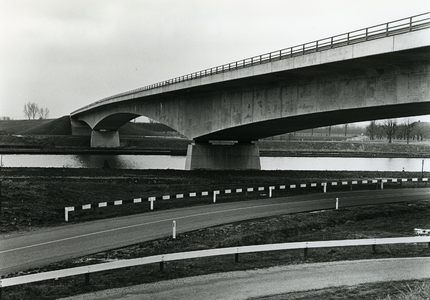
x=54, y=137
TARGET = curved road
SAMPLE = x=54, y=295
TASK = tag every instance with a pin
x=39, y=247
x=272, y=281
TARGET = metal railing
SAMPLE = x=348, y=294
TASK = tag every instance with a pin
x=206, y=253
x=400, y=26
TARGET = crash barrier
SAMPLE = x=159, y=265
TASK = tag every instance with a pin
x=161, y=259
x=379, y=183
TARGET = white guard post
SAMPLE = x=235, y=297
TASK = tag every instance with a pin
x=66, y=212
x=215, y=193
x=152, y=199
x=174, y=229
x=271, y=188
x=337, y=203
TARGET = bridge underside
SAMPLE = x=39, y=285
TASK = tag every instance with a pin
x=268, y=128
x=248, y=108
x=240, y=152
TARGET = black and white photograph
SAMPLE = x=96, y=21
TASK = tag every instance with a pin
x=214, y=149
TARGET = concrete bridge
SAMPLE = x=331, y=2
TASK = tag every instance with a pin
x=373, y=73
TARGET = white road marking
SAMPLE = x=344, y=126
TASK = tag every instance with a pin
x=188, y=216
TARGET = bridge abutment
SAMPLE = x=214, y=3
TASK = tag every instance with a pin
x=105, y=139
x=79, y=127
x=241, y=156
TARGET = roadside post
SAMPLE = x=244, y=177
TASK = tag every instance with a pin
x=325, y=187
x=337, y=203
x=174, y=229
x=215, y=193
x=271, y=188
x=152, y=199
x=66, y=212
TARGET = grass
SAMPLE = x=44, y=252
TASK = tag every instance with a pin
x=405, y=290
x=416, y=291
x=36, y=197
x=394, y=220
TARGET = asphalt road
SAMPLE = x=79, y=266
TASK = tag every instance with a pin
x=272, y=281
x=23, y=251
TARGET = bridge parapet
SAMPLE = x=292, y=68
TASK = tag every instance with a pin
x=374, y=73
x=397, y=27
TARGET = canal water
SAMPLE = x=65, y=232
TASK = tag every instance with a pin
x=178, y=162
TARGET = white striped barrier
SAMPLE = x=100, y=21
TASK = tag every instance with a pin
x=240, y=190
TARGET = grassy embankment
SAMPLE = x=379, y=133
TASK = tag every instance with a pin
x=34, y=197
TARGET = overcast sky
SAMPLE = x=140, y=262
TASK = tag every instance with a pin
x=65, y=54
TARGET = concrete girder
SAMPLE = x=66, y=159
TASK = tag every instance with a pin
x=378, y=79
x=372, y=88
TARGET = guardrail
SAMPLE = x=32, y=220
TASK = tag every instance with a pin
x=161, y=259
x=396, y=27
x=269, y=189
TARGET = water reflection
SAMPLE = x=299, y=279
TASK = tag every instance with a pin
x=343, y=164
x=178, y=162
x=95, y=161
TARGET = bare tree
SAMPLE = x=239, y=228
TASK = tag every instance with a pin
x=407, y=127
x=390, y=127
x=421, y=130
x=43, y=113
x=371, y=130
x=31, y=110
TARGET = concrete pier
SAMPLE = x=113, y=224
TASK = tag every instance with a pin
x=104, y=139
x=241, y=156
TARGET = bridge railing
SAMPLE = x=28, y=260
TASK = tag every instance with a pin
x=396, y=27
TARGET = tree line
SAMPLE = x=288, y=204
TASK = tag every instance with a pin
x=391, y=129
x=32, y=111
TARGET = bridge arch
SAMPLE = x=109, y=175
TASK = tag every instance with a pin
x=368, y=79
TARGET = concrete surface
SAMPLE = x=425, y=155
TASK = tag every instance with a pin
x=378, y=79
x=105, y=139
x=223, y=157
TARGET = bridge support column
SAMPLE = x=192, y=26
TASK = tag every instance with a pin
x=241, y=156
x=104, y=139
x=79, y=127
